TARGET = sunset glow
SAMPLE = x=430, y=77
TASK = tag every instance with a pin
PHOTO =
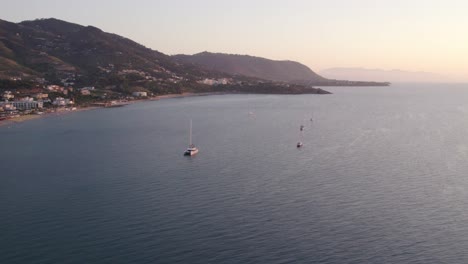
x=419, y=35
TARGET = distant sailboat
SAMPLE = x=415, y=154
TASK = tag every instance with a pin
x=300, y=144
x=191, y=150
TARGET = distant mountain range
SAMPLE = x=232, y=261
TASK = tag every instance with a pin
x=379, y=75
x=285, y=71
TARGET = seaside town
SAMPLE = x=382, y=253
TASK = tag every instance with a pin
x=43, y=98
x=59, y=98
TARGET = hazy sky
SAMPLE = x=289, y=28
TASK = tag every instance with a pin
x=415, y=35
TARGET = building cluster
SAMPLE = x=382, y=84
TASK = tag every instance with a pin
x=7, y=95
x=9, y=106
x=41, y=96
x=68, y=89
x=47, y=97
x=59, y=89
x=60, y=101
x=140, y=94
x=55, y=88
x=212, y=82
x=13, y=104
x=25, y=103
x=86, y=90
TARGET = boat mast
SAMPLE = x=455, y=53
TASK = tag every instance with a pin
x=190, y=140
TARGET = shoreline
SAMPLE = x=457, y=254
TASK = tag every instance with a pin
x=24, y=118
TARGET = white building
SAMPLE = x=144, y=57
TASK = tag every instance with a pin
x=55, y=88
x=208, y=81
x=223, y=81
x=140, y=94
x=211, y=82
x=85, y=92
x=27, y=104
x=8, y=95
x=60, y=101
x=40, y=96
x=7, y=106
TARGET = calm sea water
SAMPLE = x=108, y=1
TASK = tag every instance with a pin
x=382, y=178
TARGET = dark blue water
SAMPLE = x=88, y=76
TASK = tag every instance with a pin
x=382, y=178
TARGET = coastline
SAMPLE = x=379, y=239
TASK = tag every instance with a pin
x=24, y=118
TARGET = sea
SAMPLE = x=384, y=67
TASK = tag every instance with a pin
x=382, y=177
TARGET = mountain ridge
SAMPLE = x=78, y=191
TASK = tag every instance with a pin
x=252, y=66
x=263, y=68
x=54, y=51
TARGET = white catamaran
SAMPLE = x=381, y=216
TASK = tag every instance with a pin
x=191, y=150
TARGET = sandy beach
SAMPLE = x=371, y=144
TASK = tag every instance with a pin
x=19, y=119
x=23, y=118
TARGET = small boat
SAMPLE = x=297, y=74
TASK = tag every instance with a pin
x=191, y=150
x=299, y=143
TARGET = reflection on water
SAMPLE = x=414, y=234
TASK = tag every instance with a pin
x=381, y=178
